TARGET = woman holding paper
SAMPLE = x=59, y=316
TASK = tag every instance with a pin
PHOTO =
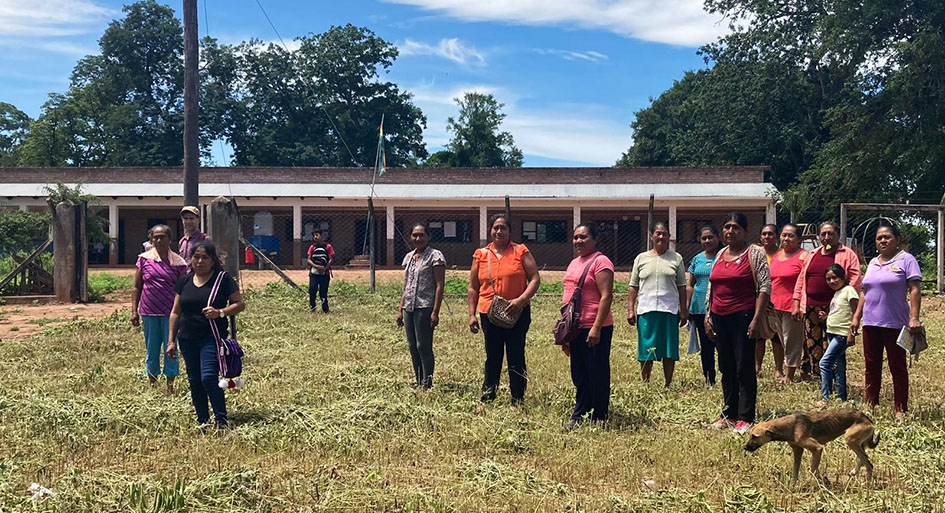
x=883, y=313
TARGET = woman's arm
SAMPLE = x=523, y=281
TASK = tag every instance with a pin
x=632, y=293
x=683, y=306
x=173, y=325
x=690, y=288
x=534, y=280
x=761, y=304
x=915, y=305
x=439, y=274
x=851, y=337
x=605, y=285
x=857, y=315
x=472, y=296
x=136, y=297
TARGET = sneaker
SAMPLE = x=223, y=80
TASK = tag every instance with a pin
x=722, y=423
x=742, y=427
x=325, y=305
x=570, y=425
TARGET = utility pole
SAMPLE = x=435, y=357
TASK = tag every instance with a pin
x=191, y=112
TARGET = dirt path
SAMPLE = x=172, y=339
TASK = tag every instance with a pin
x=20, y=321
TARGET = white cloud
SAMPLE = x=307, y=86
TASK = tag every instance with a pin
x=38, y=18
x=590, y=56
x=50, y=45
x=576, y=133
x=678, y=22
x=452, y=49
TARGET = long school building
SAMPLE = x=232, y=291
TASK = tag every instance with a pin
x=279, y=207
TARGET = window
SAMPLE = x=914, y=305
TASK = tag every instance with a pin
x=690, y=230
x=545, y=231
x=322, y=226
x=450, y=231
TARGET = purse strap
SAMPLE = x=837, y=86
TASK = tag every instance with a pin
x=576, y=295
x=210, y=300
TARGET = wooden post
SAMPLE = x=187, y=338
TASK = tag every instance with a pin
x=649, y=224
x=191, y=113
x=82, y=253
x=843, y=223
x=225, y=226
x=508, y=212
x=64, y=234
x=371, y=236
x=940, y=251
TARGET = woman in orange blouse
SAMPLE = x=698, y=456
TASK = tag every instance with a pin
x=515, y=274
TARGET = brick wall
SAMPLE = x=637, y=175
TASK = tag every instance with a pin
x=715, y=174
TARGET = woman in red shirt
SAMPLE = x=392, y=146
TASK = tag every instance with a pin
x=739, y=286
x=786, y=267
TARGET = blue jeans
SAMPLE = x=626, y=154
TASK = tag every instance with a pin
x=833, y=367
x=155, y=343
x=203, y=373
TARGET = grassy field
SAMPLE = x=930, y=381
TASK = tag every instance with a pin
x=328, y=421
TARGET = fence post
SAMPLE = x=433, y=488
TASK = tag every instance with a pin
x=64, y=251
x=940, y=250
x=225, y=232
x=843, y=223
x=371, y=235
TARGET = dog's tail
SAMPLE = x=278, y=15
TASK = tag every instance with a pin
x=874, y=442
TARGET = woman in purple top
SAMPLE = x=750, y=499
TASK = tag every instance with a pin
x=158, y=270
x=883, y=312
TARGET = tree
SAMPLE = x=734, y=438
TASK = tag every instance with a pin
x=477, y=141
x=312, y=106
x=14, y=125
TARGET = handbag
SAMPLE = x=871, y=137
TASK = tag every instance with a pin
x=498, y=313
x=229, y=352
x=767, y=323
x=566, y=328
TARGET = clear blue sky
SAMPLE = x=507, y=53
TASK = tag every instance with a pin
x=571, y=73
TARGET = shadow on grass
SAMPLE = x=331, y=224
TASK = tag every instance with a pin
x=628, y=421
x=458, y=389
x=251, y=416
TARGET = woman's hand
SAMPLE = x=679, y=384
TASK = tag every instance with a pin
x=434, y=319
x=515, y=307
x=855, y=327
x=171, y=350
x=212, y=313
x=135, y=319
x=593, y=337
x=473, y=324
x=400, y=318
x=566, y=349
x=851, y=340
x=914, y=325
x=753, y=328
x=707, y=324
x=796, y=314
x=822, y=315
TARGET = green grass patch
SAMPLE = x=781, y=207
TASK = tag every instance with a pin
x=102, y=284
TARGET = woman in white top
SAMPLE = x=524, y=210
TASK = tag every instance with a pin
x=657, y=304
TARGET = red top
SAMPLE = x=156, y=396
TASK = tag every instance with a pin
x=784, y=274
x=733, y=286
x=818, y=292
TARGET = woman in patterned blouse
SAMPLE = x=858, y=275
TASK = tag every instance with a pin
x=419, y=313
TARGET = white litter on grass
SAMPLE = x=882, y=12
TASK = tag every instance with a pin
x=40, y=492
x=650, y=484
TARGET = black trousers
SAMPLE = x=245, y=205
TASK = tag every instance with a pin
x=317, y=286
x=420, y=341
x=590, y=373
x=706, y=348
x=511, y=342
x=737, y=364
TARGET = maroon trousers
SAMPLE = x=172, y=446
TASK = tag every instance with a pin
x=875, y=339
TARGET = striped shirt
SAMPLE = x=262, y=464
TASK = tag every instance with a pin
x=157, y=293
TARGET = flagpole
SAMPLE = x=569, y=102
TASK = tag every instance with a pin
x=377, y=157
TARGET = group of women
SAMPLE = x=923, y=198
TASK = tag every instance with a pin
x=735, y=293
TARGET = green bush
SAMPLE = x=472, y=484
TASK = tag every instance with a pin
x=101, y=284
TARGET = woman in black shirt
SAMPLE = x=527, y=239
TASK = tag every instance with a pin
x=190, y=326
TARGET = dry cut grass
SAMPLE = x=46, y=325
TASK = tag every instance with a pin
x=328, y=422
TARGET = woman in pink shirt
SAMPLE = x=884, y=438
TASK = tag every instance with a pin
x=812, y=295
x=785, y=268
x=590, y=351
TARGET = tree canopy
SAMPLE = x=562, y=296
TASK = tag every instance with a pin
x=477, y=140
x=843, y=98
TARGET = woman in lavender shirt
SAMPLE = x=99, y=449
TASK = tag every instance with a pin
x=158, y=270
x=883, y=312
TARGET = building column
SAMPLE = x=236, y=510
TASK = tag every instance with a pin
x=113, y=235
x=771, y=217
x=390, y=236
x=577, y=217
x=297, y=236
x=483, y=226
x=672, y=227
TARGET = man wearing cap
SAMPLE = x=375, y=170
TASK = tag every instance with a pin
x=190, y=218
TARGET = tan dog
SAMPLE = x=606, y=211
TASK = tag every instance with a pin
x=813, y=430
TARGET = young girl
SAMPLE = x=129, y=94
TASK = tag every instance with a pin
x=833, y=365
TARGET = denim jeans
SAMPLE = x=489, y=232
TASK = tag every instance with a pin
x=155, y=342
x=833, y=367
x=203, y=374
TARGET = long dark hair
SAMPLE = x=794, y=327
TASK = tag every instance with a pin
x=211, y=251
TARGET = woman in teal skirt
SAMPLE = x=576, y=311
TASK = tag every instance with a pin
x=657, y=304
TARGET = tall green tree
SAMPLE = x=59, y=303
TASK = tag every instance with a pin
x=14, y=125
x=320, y=105
x=477, y=140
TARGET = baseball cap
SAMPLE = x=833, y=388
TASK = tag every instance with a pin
x=190, y=210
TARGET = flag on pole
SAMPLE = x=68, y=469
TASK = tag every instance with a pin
x=382, y=157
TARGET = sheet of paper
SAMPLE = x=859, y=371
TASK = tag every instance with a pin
x=449, y=229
